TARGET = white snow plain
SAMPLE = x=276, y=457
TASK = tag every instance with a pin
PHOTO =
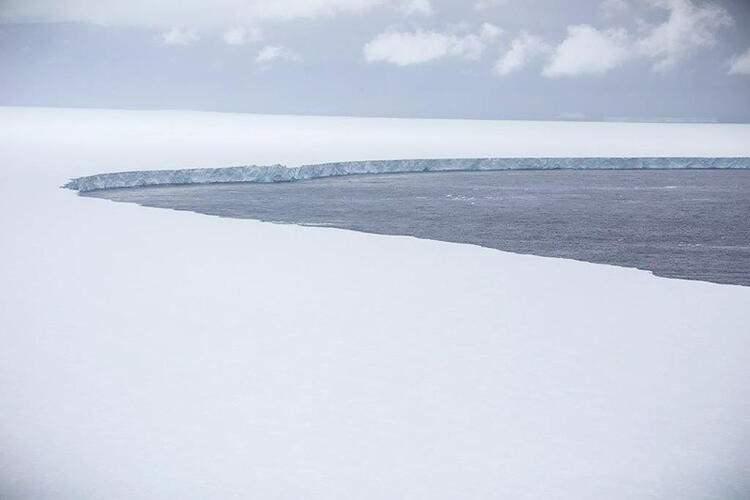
x=153, y=354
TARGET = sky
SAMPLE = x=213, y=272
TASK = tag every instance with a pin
x=616, y=60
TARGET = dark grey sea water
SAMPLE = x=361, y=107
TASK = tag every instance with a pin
x=680, y=224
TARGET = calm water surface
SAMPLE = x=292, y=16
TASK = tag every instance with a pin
x=679, y=224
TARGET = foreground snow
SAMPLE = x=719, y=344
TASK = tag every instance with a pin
x=157, y=354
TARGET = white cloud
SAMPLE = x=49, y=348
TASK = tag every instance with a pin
x=689, y=27
x=588, y=51
x=740, y=65
x=179, y=36
x=404, y=49
x=407, y=48
x=522, y=50
x=241, y=36
x=421, y=7
x=271, y=53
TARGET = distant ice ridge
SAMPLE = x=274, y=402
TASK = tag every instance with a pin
x=280, y=173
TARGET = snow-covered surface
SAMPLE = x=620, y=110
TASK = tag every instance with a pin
x=280, y=173
x=149, y=353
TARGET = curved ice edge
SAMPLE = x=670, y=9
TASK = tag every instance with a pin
x=280, y=173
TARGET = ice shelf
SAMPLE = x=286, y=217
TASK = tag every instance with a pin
x=280, y=173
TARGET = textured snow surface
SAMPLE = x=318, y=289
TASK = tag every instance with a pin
x=152, y=354
x=280, y=173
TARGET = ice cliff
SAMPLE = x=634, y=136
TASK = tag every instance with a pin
x=280, y=173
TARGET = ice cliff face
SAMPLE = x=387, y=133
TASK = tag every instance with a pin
x=280, y=173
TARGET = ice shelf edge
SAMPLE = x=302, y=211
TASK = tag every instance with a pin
x=280, y=173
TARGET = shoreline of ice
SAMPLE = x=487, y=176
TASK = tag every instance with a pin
x=281, y=173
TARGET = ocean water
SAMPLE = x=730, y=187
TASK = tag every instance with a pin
x=679, y=224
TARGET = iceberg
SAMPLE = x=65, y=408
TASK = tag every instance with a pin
x=281, y=173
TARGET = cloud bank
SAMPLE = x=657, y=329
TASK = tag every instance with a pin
x=589, y=49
